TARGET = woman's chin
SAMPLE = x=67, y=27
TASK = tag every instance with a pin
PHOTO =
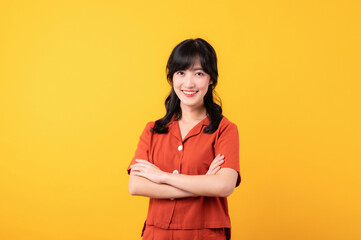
x=191, y=104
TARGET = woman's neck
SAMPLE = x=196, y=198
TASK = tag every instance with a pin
x=193, y=114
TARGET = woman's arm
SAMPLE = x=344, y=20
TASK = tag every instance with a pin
x=220, y=184
x=141, y=186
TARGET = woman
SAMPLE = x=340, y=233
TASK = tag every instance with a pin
x=187, y=162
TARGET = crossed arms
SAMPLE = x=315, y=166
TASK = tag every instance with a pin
x=148, y=180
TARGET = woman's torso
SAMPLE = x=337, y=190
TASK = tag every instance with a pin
x=192, y=156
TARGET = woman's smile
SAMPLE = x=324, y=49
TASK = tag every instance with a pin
x=189, y=93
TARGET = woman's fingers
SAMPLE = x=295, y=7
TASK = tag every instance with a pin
x=138, y=168
x=215, y=159
x=145, y=162
x=147, y=170
x=215, y=170
x=218, y=160
x=218, y=157
x=139, y=174
x=215, y=165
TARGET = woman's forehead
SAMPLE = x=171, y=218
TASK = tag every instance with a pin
x=188, y=62
x=195, y=65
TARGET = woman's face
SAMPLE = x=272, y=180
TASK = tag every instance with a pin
x=191, y=85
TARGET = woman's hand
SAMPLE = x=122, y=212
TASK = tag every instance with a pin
x=215, y=165
x=145, y=169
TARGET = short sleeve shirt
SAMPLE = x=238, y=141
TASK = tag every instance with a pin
x=192, y=156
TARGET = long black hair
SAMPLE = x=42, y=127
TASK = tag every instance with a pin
x=182, y=57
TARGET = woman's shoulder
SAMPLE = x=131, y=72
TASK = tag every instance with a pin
x=226, y=123
x=149, y=125
x=226, y=129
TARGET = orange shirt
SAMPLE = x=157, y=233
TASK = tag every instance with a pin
x=192, y=156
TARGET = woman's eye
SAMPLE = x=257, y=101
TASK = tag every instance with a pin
x=199, y=73
x=180, y=73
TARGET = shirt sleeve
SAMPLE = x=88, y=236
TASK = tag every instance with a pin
x=227, y=144
x=143, y=148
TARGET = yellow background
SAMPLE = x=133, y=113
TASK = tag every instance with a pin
x=80, y=79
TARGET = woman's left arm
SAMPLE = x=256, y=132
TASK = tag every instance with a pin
x=221, y=184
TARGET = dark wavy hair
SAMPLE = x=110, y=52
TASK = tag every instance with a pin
x=183, y=57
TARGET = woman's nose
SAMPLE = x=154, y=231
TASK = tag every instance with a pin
x=189, y=81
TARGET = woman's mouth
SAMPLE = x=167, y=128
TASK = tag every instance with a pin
x=189, y=93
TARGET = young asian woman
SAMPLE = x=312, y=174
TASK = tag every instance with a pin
x=187, y=162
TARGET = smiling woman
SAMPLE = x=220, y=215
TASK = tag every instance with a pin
x=187, y=162
x=191, y=85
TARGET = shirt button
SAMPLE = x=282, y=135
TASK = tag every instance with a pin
x=180, y=147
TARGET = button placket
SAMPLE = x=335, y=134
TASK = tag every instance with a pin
x=176, y=171
x=181, y=151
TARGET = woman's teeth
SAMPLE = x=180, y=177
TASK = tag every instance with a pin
x=189, y=92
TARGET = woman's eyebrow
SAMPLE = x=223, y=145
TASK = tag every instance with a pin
x=197, y=69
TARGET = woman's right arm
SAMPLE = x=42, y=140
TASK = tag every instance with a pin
x=139, y=186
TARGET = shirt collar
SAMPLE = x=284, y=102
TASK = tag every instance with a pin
x=174, y=127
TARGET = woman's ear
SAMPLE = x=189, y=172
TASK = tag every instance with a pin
x=210, y=82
